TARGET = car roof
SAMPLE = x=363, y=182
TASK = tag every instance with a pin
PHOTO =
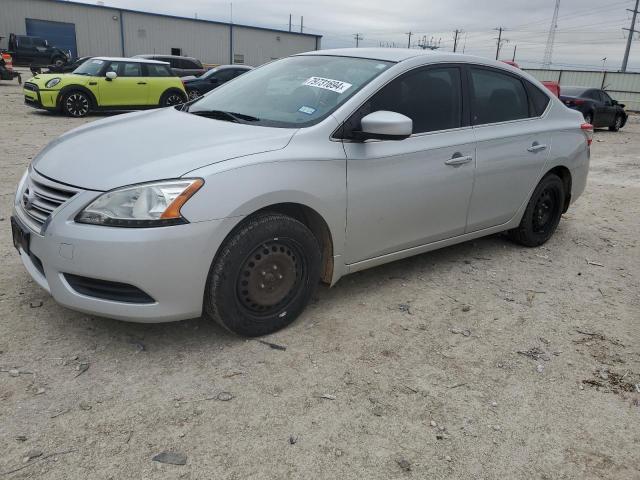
x=245, y=67
x=402, y=54
x=156, y=55
x=129, y=59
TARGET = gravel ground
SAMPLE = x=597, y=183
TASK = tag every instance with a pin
x=480, y=361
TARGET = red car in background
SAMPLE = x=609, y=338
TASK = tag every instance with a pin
x=553, y=86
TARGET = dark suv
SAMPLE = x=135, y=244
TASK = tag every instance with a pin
x=35, y=51
x=181, y=66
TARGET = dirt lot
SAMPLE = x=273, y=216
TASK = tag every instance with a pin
x=481, y=361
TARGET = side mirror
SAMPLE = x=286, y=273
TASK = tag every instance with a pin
x=385, y=125
x=614, y=102
x=111, y=76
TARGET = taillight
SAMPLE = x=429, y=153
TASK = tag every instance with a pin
x=587, y=128
x=576, y=101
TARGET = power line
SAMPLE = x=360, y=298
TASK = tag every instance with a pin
x=631, y=31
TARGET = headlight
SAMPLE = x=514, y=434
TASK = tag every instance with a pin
x=52, y=83
x=146, y=205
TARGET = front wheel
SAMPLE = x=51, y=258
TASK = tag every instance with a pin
x=263, y=275
x=76, y=104
x=542, y=214
x=193, y=94
x=172, y=98
x=617, y=124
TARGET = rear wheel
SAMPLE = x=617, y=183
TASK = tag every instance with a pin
x=617, y=123
x=172, y=98
x=76, y=104
x=588, y=118
x=542, y=214
x=263, y=275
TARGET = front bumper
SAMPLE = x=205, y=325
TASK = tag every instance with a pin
x=170, y=264
x=37, y=98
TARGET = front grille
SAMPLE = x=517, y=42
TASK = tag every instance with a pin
x=40, y=197
x=30, y=86
x=106, y=290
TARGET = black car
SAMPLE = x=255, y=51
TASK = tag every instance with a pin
x=180, y=65
x=66, y=68
x=28, y=50
x=598, y=108
x=215, y=77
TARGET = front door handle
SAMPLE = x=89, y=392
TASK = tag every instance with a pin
x=457, y=159
x=536, y=147
x=142, y=83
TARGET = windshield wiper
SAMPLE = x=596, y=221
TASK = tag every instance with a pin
x=228, y=116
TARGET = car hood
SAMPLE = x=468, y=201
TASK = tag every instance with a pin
x=65, y=79
x=151, y=145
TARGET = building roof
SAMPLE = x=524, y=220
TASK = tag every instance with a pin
x=215, y=22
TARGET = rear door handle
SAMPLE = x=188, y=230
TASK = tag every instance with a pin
x=142, y=83
x=536, y=147
x=458, y=160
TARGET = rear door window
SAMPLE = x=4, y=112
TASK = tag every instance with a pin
x=131, y=69
x=157, y=70
x=496, y=97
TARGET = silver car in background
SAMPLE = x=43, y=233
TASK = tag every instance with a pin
x=305, y=169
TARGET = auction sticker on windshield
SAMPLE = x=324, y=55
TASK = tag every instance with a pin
x=328, y=84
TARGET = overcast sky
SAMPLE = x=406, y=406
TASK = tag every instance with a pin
x=588, y=30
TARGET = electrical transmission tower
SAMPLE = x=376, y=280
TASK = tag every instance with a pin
x=431, y=44
x=631, y=30
x=548, y=50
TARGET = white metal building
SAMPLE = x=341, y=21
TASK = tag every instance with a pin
x=97, y=30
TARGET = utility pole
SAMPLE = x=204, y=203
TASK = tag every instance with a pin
x=548, y=50
x=409, y=42
x=301, y=23
x=289, y=22
x=358, y=37
x=499, y=45
x=455, y=39
x=515, y=47
x=631, y=31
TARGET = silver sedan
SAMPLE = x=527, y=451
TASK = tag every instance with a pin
x=234, y=206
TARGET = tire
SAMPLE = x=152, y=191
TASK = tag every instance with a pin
x=76, y=104
x=542, y=214
x=588, y=118
x=193, y=94
x=617, y=123
x=267, y=250
x=58, y=61
x=172, y=98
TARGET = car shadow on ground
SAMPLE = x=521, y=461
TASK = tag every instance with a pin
x=200, y=333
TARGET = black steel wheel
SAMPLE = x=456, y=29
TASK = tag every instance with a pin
x=543, y=212
x=76, y=104
x=263, y=275
x=172, y=98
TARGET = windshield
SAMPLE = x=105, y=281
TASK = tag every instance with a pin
x=292, y=92
x=91, y=67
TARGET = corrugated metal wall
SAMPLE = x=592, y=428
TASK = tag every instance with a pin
x=624, y=87
x=145, y=34
x=98, y=33
x=260, y=46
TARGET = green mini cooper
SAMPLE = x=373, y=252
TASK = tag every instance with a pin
x=103, y=83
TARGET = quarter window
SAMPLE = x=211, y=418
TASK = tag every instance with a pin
x=496, y=97
x=430, y=97
x=539, y=99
